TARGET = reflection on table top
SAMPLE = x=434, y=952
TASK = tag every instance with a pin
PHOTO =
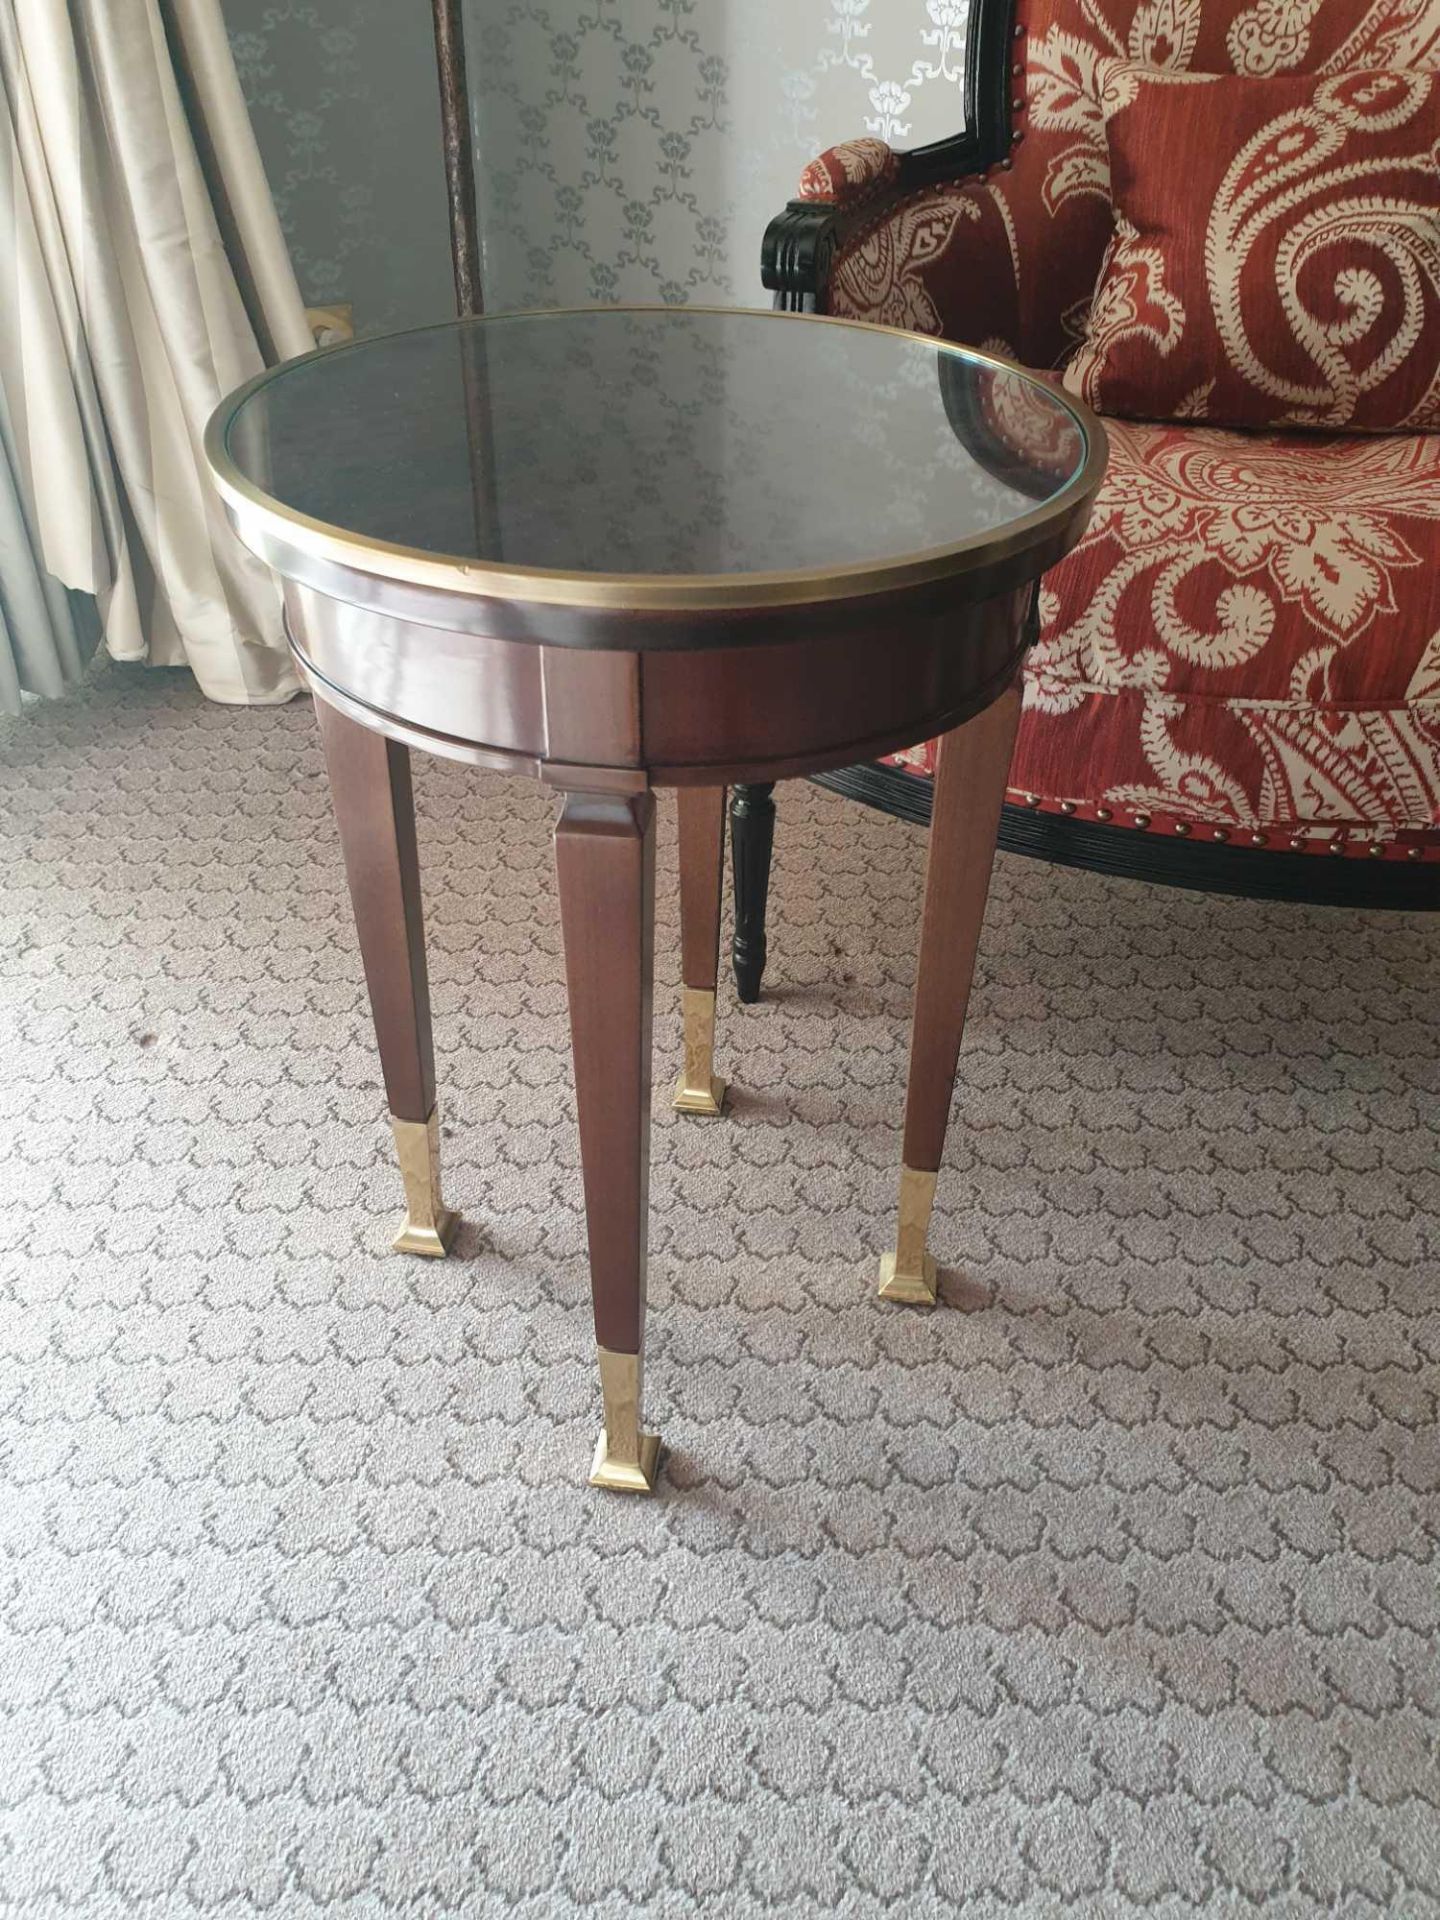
x=666, y=443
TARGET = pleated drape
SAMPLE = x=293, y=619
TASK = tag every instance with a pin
x=47, y=632
x=141, y=269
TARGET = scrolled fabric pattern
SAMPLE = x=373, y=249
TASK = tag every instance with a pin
x=1247, y=642
x=1026, y=276
x=851, y=172
x=1275, y=260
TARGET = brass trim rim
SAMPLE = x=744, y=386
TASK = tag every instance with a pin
x=251, y=507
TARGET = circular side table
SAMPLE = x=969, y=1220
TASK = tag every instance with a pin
x=624, y=549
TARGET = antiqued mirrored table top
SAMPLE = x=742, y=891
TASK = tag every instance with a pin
x=655, y=446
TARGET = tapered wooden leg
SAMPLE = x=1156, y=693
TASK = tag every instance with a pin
x=702, y=850
x=375, y=811
x=969, y=794
x=752, y=838
x=605, y=861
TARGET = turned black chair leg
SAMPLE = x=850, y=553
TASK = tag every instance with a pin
x=752, y=835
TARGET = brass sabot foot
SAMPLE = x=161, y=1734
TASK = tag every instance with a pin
x=917, y=1288
x=697, y=1090
x=430, y=1242
x=908, y=1275
x=429, y=1226
x=626, y=1460
x=707, y=1100
x=627, y=1476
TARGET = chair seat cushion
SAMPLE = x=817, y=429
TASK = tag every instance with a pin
x=1248, y=638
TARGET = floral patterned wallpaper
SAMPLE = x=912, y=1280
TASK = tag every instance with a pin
x=635, y=149
x=627, y=149
x=343, y=98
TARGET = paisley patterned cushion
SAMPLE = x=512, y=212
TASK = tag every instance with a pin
x=1012, y=261
x=1276, y=255
x=1247, y=641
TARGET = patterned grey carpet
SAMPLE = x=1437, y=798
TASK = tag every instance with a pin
x=1109, y=1587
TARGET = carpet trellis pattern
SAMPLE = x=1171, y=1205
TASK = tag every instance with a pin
x=1109, y=1587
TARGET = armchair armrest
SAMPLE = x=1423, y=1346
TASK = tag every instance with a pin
x=851, y=192
x=838, y=191
x=853, y=172
x=798, y=253
x=936, y=258
x=801, y=243
x=848, y=192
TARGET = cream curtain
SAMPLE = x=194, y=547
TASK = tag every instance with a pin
x=142, y=275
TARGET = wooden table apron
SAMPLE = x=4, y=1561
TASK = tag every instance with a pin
x=708, y=698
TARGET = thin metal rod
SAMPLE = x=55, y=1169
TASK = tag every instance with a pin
x=459, y=155
x=465, y=254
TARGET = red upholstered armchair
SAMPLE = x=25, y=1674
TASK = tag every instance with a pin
x=1237, y=680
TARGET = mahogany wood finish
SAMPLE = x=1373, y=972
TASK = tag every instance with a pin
x=605, y=864
x=749, y=715
x=701, y=716
x=375, y=812
x=969, y=792
x=702, y=852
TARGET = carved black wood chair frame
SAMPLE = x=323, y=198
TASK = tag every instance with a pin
x=799, y=252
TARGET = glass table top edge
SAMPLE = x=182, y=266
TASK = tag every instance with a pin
x=255, y=510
